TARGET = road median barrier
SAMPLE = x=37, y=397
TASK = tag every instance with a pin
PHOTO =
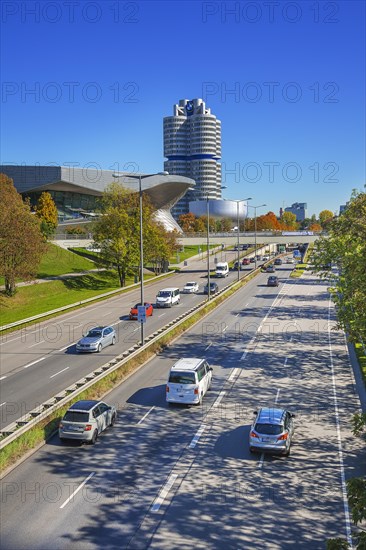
x=35, y=427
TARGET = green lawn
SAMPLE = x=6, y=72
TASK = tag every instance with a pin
x=58, y=261
x=40, y=298
x=189, y=251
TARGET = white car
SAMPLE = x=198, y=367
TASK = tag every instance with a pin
x=191, y=287
x=290, y=260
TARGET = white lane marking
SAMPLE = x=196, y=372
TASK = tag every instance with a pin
x=195, y=440
x=162, y=315
x=34, y=362
x=237, y=315
x=339, y=437
x=106, y=314
x=163, y=493
x=225, y=328
x=219, y=399
x=77, y=490
x=277, y=395
x=135, y=329
x=233, y=374
x=243, y=356
x=145, y=415
x=37, y=344
x=8, y=341
x=2, y=404
x=285, y=363
x=2, y=377
x=209, y=345
x=260, y=463
x=59, y=372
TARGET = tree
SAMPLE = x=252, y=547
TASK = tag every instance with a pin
x=46, y=211
x=315, y=227
x=199, y=225
x=187, y=222
x=289, y=221
x=268, y=221
x=21, y=240
x=325, y=217
x=117, y=232
x=345, y=245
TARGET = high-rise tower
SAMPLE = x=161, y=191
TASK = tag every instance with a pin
x=192, y=146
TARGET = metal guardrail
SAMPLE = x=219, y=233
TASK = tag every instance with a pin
x=75, y=304
x=16, y=429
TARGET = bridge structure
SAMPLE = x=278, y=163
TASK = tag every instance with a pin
x=248, y=237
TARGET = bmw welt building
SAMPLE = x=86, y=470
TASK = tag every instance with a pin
x=76, y=190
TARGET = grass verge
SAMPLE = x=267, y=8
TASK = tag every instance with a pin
x=10, y=454
x=361, y=357
x=39, y=298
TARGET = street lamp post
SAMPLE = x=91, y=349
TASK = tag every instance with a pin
x=208, y=243
x=208, y=247
x=255, y=230
x=140, y=177
x=238, y=231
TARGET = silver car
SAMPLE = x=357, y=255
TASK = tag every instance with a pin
x=86, y=419
x=97, y=339
x=272, y=431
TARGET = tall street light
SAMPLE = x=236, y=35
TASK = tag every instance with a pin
x=238, y=230
x=140, y=177
x=255, y=229
x=208, y=244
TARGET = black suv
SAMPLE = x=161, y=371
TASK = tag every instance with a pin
x=213, y=288
x=278, y=261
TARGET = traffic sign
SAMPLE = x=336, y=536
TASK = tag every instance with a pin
x=141, y=314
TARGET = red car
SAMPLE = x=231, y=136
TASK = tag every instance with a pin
x=149, y=310
x=246, y=261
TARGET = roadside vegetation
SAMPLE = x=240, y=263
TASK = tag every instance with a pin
x=345, y=247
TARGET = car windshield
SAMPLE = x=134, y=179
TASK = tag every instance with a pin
x=190, y=284
x=136, y=306
x=164, y=294
x=269, y=429
x=76, y=416
x=182, y=378
x=94, y=333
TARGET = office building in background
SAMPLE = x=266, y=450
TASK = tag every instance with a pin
x=299, y=209
x=192, y=147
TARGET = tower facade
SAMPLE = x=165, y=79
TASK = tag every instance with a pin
x=192, y=147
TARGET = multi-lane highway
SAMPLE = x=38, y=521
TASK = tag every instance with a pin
x=175, y=477
x=39, y=361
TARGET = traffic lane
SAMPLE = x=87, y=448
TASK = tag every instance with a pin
x=32, y=343
x=44, y=377
x=80, y=468
x=300, y=497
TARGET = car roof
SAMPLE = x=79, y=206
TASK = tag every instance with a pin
x=191, y=283
x=99, y=328
x=83, y=405
x=170, y=289
x=270, y=415
x=188, y=363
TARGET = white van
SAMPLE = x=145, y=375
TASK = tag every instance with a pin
x=222, y=269
x=189, y=380
x=168, y=297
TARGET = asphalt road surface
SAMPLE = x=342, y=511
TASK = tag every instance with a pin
x=39, y=361
x=167, y=477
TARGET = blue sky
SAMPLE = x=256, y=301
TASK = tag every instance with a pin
x=88, y=84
